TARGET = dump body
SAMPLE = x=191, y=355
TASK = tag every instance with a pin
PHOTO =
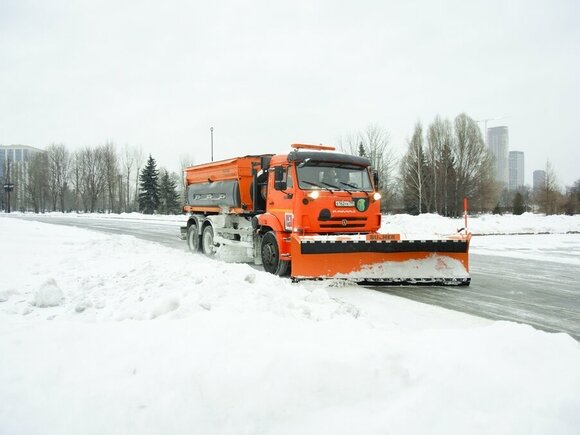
x=222, y=185
x=312, y=214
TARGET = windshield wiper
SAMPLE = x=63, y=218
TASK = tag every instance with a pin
x=332, y=186
x=356, y=188
x=316, y=185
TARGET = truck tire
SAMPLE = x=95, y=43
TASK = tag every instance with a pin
x=193, y=238
x=271, y=256
x=207, y=245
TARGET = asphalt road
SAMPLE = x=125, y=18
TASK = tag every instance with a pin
x=545, y=295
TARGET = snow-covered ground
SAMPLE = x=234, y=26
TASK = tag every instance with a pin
x=488, y=224
x=111, y=334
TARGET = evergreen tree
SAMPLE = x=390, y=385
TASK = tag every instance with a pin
x=361, y=150
x=149, y=187
x=168, y=196
x=518, y=204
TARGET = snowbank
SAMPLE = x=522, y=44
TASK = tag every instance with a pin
x=147, y=339
x=526, y=223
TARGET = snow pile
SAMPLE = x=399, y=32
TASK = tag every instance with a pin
x=154, y=340
x=48, y=295
x=139, y=280
x=432, y=267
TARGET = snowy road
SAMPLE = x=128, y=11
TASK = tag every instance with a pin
x=542, y=294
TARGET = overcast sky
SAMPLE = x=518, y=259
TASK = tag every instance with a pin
x=265, y=74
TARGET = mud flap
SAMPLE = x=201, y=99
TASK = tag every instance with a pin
x=415, y=262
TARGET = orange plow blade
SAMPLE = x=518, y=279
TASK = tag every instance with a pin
x=442, y=261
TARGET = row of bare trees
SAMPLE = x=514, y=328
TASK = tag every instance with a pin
x=445, y=164
x=94, y=178
x=442, y=165
x=374, y=143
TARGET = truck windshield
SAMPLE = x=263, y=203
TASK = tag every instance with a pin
x=322, y=175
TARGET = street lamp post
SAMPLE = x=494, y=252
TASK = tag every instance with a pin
x=211, y=131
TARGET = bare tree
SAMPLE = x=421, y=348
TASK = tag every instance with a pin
x=92, y=176
x=414, y=172
x=75, y=178
x=37, y=181
x=473, y=161
x=129, y=161
x=111, y=167
x=549, y=194
x=375, y=143
x=572, y=200
x=455, y=164
x=58, y=160
x=139, y=161
x=440, y=162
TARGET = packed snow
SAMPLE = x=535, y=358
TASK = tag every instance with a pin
x=433, y=267
x=111, y=334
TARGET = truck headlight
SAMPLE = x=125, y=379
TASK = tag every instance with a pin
x=376, y=196
x=314, y=194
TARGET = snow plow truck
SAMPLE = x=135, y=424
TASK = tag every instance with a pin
x=313, y=213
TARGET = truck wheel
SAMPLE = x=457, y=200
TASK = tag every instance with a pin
x=193, y=238
x=207, y=245
x=271, y=256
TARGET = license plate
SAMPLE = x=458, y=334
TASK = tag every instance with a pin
x=344, y=203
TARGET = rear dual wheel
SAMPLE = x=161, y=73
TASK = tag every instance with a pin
x=208, y=246
x=271, y=256
x=193, y=238
x=204, y=243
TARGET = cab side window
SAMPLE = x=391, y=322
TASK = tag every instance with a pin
x=289, y=181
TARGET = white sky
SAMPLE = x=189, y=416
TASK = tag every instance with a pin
x=267, y=74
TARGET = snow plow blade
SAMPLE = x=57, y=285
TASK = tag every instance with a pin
x=442, y=261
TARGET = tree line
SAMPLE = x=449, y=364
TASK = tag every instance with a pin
x=98, y=179
x=444, y=162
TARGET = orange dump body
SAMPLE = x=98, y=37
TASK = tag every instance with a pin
x=222, y=184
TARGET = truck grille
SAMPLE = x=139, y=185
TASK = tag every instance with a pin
x=350, y=222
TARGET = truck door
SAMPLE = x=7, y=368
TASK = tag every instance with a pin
x=280, y=195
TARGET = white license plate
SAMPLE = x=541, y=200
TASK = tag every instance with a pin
x=344, y=203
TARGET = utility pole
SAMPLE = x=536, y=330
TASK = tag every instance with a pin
x=211, y=132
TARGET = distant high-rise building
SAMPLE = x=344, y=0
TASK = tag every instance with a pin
x=498, y=144
x=516, y=170
x=13, y=169
x=539, y=179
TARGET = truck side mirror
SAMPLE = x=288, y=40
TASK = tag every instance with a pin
x=279, y=182
x=376, y=180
